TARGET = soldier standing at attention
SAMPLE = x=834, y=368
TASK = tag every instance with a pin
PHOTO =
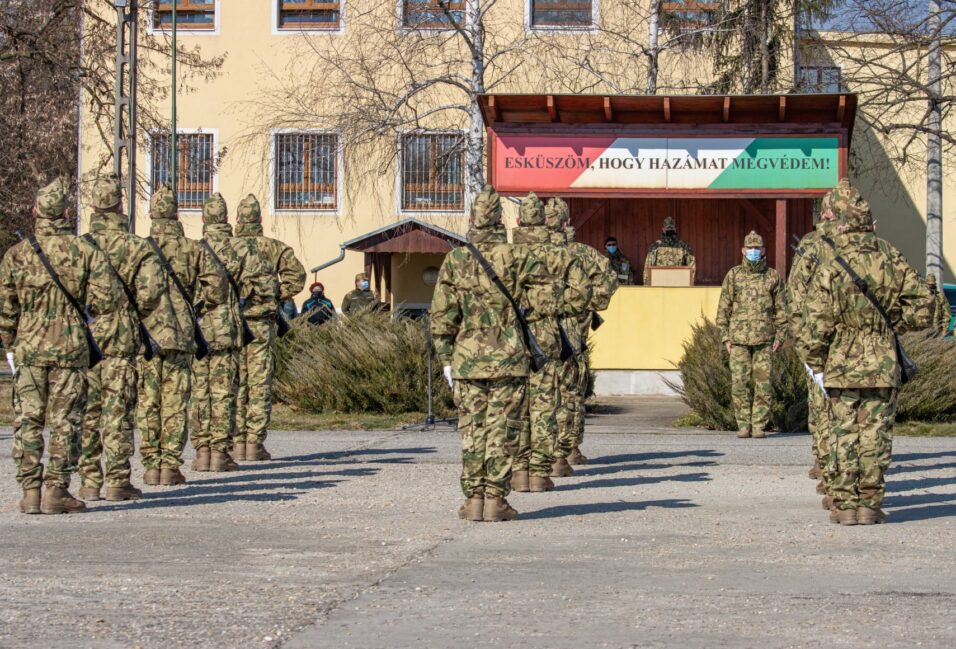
x=361, y=298
x=216, y=376
x=851, y=350
x=942, y=313
x=479, y=343
x=751, y=317
x=111, y=402
x=50, y=350
x=196, y=286
x=621, y=265
x=271, y=276
x=558, y=289
x=669, y=250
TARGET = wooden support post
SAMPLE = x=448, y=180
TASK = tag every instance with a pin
x=780, y=238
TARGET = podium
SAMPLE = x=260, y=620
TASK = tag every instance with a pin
x=670, y=276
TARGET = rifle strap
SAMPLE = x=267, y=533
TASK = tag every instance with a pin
x=861, y=284
x=56, y=279
x=493, y=276
x=129, y=293
x=222, y=266
x=173, y=276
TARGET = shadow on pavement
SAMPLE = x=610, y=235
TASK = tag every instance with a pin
x=620, y=468
x=245, y=475
x=644, y=457
x=909, y=457
x=906, y=468
x=312, y=458
x=185, y=499
x=633, y=482
x=584, y=509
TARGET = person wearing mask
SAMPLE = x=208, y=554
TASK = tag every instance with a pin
x=751, y=318
x=620, y=265
x=361, y=298
x=669, y=250
x=318, y=309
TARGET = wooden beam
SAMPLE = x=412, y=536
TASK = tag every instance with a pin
x=782, y=113
x=780, y=238
x=726, y=109
x=841, y=108
x=493, y=107
x=755, y=214
x=597, y=207
x=552, y=109
x=667, y=109
x=608, y=112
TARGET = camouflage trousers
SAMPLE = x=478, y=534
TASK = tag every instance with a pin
x=256, y=368
x=572, y=384
x=212, y=408
x=751, y=364
x=536, y=445
x=108, y=423
x=818, y=418
x=164, y=385
x=861, y=444
x=491, y=413
x=53, y=397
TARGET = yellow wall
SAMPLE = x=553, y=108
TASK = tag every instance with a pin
x=644, y=327
x=407, y=284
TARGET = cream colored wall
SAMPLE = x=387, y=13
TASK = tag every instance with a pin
x=407, y=284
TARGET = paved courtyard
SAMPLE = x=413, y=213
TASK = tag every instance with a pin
x=669, y=538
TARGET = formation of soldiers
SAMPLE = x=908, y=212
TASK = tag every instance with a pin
x=668, y=250
x=111, y=331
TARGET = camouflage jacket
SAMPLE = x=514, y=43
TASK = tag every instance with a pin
x=221, y=324
x=805, y=265
x=358, y=299
x=473, y=325
x=942, y=314
x=751, y=310
x=622, y=267
x=602, y=283
x=558, y=288
x=137, y=265
x=669, y=251
x=273, y=276
x=37, y=322
x=845, y=337
x=205, y=285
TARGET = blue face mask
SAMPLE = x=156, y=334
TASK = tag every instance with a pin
x=611, y=248
x=363, y=285
x=754, y=254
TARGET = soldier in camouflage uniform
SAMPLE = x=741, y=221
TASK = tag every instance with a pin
x=621, y=266
x=669, y=250
x=50, y=351
x=111, y=404
x=751, y=317
x=852, y=355
x=361, y=298
x=478, y=341
x=942, y=314
x=166, y=380
x=811, y=253
x=271, y=276
x=216, y=376
x=561, y=281
x=573, y=377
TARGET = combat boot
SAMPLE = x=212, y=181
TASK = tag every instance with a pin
x=497, y=509
x=827, y=503
x=256, y=451
x=539, y=484
x=151, y=477
x=201, y=462
x=867, y=516
x=171, y=476
x=220, y=461
x=473, y=508
x=821, y=488
x=123, y=492
x=58, y=500
x=815, y=472
x=561, y=468
x=519, y=480
x=89, y=494
x=577, y=458
x=845, y=516
x=30, y=503
x=759, y=434
x=743, y=433
x=238, y=452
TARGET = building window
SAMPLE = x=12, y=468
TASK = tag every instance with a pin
x=689, y=14
x=306, y=171
x=822, y=79
x=432, y=14
x=309, y=14
x=195, y=169
x=562, y=13
x=431, y=169
x=190, y=14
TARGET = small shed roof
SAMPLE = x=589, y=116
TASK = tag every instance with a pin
x=406, y=236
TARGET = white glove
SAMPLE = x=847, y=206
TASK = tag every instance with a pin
x=818, y=379
x=13, y=368
x=447, y=372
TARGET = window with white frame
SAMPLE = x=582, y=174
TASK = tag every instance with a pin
x=293, y=15
x=572, y=14
x=195, y=167
x=199, y=15
x=306, y=171
x=432, y=166
x=820, y=78
x=432, y=14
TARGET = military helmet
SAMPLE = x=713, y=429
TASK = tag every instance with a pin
x=840, y=198
x=107, y=193
x=669, y=225
x=52, y=200
x=931, y=280
x=753, y=240
x=531, y=210
x=214, y=209
x=361, y=277
x=486, y=209
x=162, y=204
x=249, y=210
x=859, y=216
x=556, y=214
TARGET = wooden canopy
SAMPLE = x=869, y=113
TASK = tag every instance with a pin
x=406, y=236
